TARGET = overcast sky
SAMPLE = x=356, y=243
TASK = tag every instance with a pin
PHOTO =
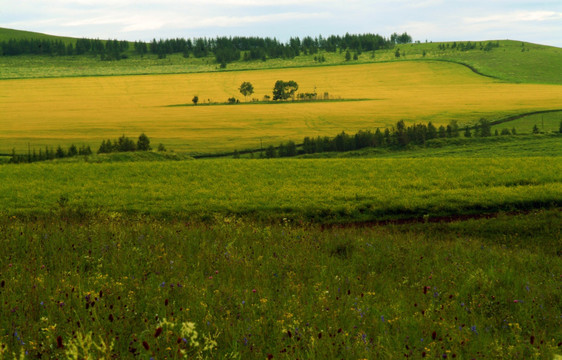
x=434, y=20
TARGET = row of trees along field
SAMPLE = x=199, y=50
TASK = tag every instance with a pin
x=225, y=49
x=399, y=136
x=122, y=144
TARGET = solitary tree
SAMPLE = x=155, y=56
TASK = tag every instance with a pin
x=195, y=100
x=535, y=129
x=246, y=89
x=347, y=56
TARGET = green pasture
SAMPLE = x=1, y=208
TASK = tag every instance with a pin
x=321, y=190
x=490, y=147
x=7, y=34
x=547, y=122
x=512, y=61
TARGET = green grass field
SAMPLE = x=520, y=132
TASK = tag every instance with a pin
x=331, y=190
x=549, y=122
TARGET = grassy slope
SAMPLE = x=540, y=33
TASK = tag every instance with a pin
x=536, y=64
x=7, y=34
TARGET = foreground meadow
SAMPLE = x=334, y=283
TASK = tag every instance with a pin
x=40, y=112
x=112, y=287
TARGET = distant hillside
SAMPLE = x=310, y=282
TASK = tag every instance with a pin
x=7, y=34
x=513, y=61
x=507, y=60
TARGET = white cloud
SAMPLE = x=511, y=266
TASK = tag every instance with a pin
x=517, y=16
x=435, y=20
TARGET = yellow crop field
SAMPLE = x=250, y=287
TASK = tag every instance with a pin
x=88, y=109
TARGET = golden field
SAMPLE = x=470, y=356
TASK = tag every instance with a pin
x=88, y=109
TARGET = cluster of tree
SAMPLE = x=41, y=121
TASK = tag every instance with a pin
x=400, y=39
x=225, y=49
x=14, y=47
x=398, y=136
x=124, y=144
x=107, y=50
x=49, y=154
x=284, y=89
x=229, y=49
x=469, y=46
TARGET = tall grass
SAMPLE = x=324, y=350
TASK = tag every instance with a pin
x=119, y=287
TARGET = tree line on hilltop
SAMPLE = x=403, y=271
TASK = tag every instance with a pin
x=107, y=50
x=224, y=49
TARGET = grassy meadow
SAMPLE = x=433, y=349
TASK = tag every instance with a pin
x=451, y=250
x=87, y=110
x=140, y=288
x=322, y=190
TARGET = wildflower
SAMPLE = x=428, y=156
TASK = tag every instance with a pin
x=254, y=290
x=163, y=284
x=473, y=329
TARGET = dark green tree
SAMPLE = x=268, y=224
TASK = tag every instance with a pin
x=467, y=132
x=125, y=144
x=347, y=56
x=60, y=152
x=270, y=152
x=284, y=89
x=485, y=128
x=442, y=132
x=535, y=129
x=431, y=131
x=195, y=100
x=72, y=150
x=246, y=89
x=143, y=143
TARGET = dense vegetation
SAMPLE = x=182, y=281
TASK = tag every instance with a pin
x=118, y=287
x=225, y=49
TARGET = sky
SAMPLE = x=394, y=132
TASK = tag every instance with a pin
x=432, y=20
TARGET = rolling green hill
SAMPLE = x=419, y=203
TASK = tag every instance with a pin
x=7, y=34
x=507, y=60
